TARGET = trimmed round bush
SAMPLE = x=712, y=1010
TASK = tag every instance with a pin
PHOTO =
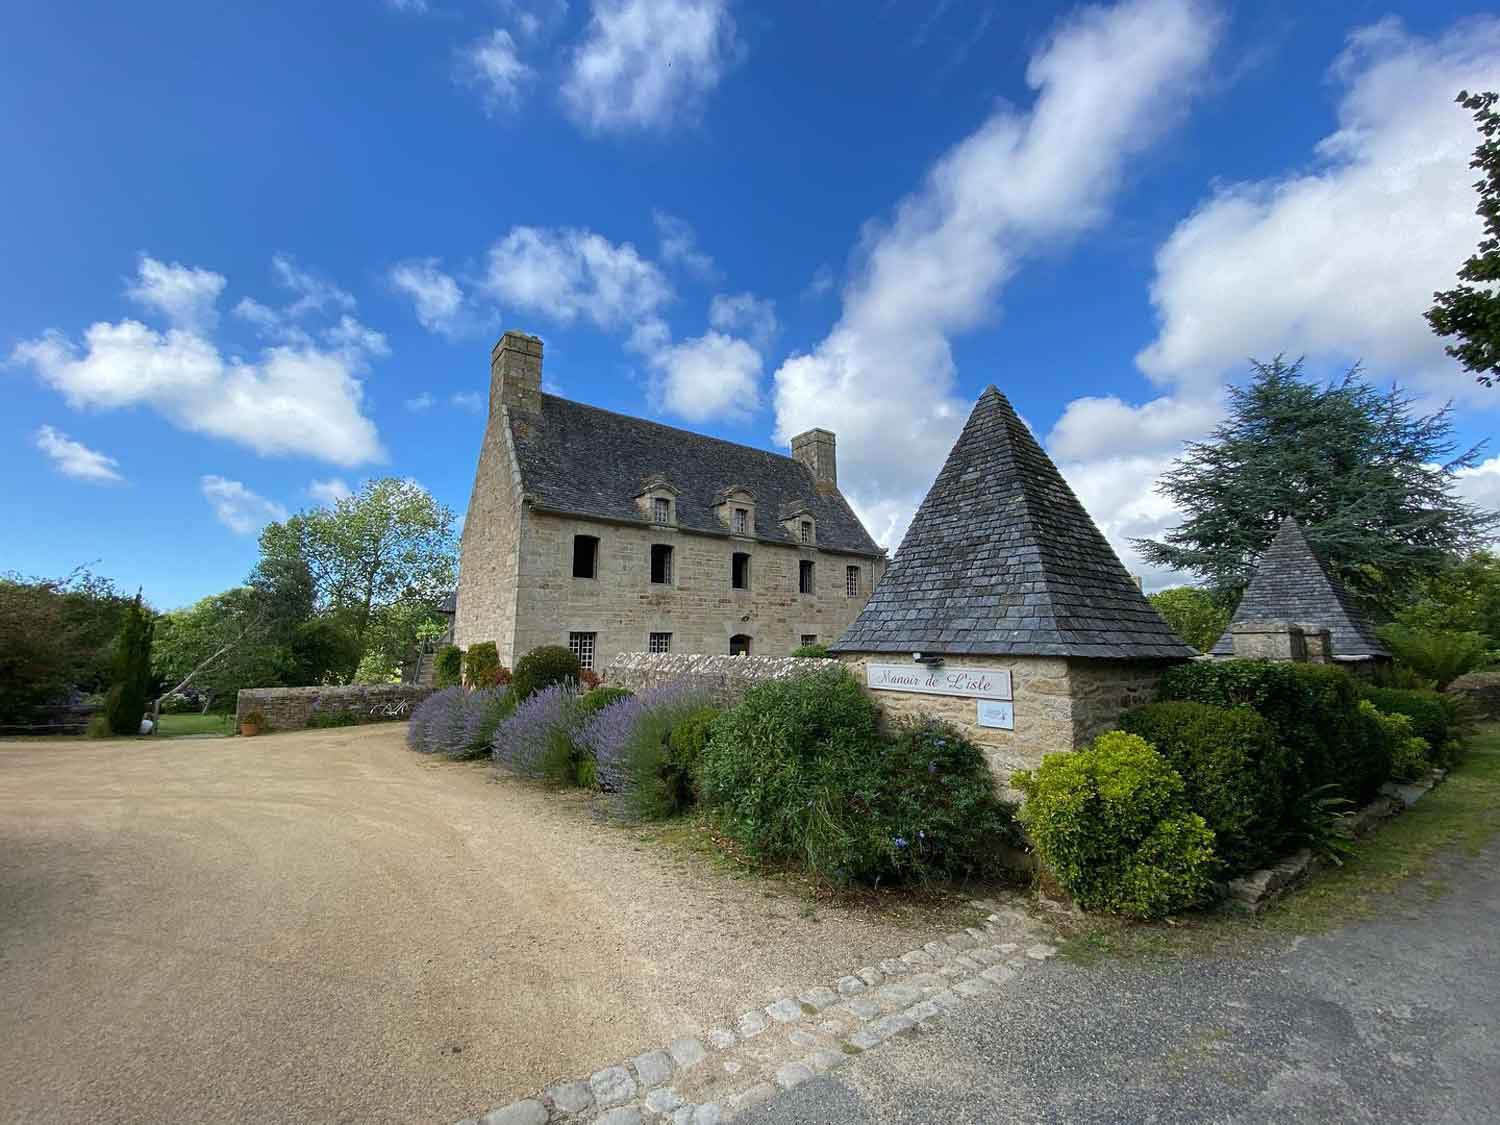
x=1113, y=824
x=1235, y=771
x=482, y=665
x=811, y=652
x=543, y=667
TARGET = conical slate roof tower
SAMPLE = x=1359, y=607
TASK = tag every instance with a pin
x=1291, y=584
x=1001, y=559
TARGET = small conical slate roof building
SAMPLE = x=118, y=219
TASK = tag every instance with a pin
x=1293, y=591
x=1005, y=578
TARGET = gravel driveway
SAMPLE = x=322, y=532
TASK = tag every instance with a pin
x=325, y=927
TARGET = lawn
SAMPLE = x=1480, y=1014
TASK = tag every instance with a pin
x=175, y=726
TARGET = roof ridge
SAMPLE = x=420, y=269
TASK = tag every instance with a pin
x=673, y=429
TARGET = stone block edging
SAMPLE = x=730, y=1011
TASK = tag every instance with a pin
x=1254, y=892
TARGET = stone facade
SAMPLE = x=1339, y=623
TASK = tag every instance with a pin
x=532, y=504
x=291, y=708
x=1060, y=703
x=724, y=679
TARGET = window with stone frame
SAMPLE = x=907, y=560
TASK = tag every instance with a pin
x=806, y=531
x=739, y=571
x=740, y=521
x=851, y=581
x=805, y=577
x=659, y=642
x=809, y=639
x=585, y=556
x=739, y=645
x=661, y=510
x=582, y=646
x=661, y=564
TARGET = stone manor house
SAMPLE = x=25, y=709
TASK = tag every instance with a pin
x=610, y=534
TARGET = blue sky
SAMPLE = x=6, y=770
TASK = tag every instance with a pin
x=255, y=256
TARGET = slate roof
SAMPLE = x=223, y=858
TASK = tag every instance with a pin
x=1001, y=558
x=585, y=461
x=1291, y=584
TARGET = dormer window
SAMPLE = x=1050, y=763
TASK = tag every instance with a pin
x=741, y=522
x=805, y=532
x=661, y=510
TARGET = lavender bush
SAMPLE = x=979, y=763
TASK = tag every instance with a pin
x=612, y=734
x=540, y=729
x=456, y=721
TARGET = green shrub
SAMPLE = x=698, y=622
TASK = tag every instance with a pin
x=1195, y=615
x=448, y=667
x=99, y=727
x=662, y=756
x=1410, y=758
x=541, y=668
x=599, y=698
x=482, y=665
x=1112, y=823
x=1440, y=655
x=320, y=720
x=1434, y=717
x=1313, y=708
x=799, y=773
x=811, y=652
x=1235, y=771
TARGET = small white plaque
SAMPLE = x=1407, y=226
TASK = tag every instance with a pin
x=998, y=714
x=929, y=679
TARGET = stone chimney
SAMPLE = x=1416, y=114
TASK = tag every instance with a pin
x=815, y=450
x=516, y=374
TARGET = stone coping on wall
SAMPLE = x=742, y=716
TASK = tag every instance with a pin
x=725, y=679
x=291, y=708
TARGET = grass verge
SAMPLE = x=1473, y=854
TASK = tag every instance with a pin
x=1462, y=814
x=173, y=726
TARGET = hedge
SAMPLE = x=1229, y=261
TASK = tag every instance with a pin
x=1313, y=708
x=1433, y=716
x=1235, y=771
x=542, y=668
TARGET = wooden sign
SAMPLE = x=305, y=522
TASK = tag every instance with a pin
x=926, y=679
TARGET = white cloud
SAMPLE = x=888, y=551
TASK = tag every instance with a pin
x=184, y=295
x=568, y=274
x=679, y=246
x=1108, y=81
x=644, y=63
x=1119, y=492
x=410, y=7
x=821, y=284
x=1480, y=484
x=1108, y=427
x=421, y=403
x=74, y=459
x=472, y=401
x=329, y=492
x=242, y=511
x=351, y=334
x=314, y=294
x=752, y=316
x=1338, y=261
x=436, y=296
x=711, y=376
x=296, y=398
x=494, y=65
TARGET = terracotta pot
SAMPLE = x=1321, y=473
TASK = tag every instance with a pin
x=249, y=730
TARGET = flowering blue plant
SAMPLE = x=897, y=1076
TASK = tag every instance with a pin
x=523, y=740
x=609, y=733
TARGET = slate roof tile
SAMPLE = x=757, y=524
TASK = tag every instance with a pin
x=591, y=462
x=1016, y=559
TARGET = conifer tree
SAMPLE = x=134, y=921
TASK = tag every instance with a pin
x=131, y=674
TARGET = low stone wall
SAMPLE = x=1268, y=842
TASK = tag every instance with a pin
x=725, y=679
x=292, y=708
